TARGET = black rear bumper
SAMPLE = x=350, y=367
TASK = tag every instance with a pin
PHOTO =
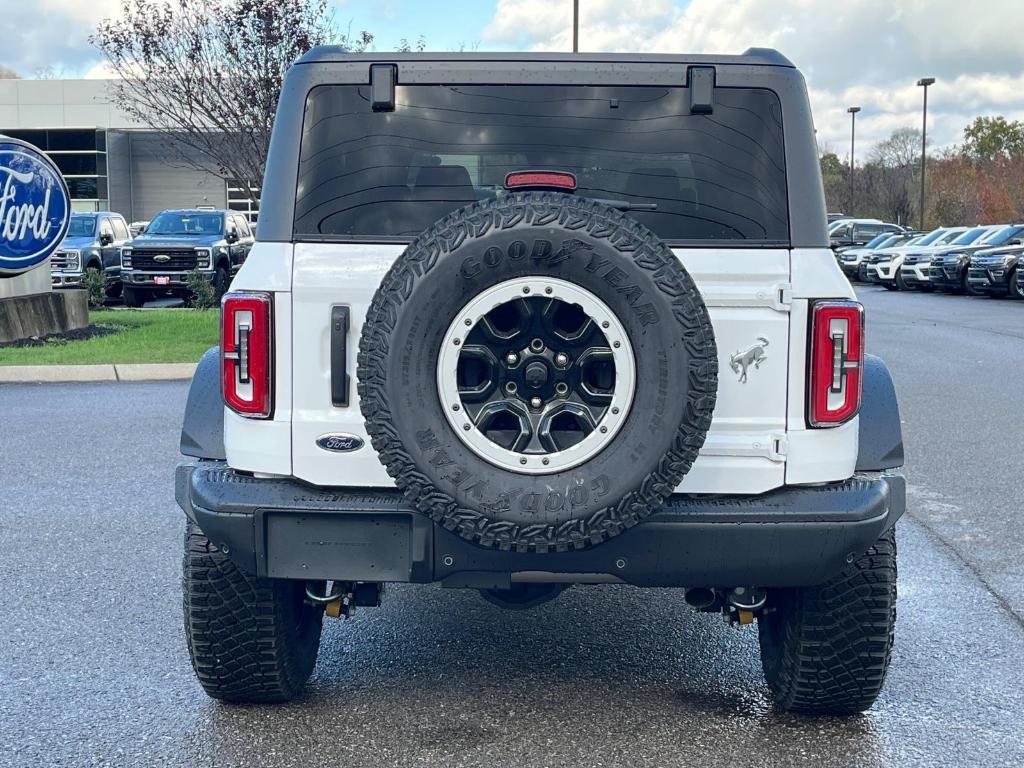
x=793, y=536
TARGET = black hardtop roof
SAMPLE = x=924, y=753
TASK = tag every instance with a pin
x=756, y=68
x=751, y=57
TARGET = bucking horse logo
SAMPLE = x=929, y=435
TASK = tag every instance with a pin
x=752, y=355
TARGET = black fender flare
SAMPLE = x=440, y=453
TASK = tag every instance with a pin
x=202, y=433
x=881, y=433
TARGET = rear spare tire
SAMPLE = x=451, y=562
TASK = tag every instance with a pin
x=537, y=372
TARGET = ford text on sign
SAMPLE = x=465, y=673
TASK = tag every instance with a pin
x=34, y=207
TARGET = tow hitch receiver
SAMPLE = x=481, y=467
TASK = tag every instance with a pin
x=340, y=598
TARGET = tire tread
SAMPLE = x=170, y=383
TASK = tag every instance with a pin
x=539, y=209
x=244, y=638
x=826, y=650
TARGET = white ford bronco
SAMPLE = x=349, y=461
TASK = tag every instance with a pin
x=516, y=323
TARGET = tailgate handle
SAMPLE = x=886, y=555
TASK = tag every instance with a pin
x=339, y=356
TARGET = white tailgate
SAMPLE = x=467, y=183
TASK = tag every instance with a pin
x=748, y=295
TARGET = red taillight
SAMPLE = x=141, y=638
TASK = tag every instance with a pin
x=245, y=343
x=540, y=180
x=837, y=362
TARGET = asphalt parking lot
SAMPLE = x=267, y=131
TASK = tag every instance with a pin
x=94, y=672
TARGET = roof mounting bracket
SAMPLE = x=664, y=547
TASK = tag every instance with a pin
x=701, y=81
x=383, y=78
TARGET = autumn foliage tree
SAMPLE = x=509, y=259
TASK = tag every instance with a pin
x=978, y=182
x=207, y=73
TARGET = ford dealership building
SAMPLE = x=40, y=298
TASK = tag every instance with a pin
x=108, y=161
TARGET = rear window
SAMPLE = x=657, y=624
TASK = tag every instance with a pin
x=389, y=175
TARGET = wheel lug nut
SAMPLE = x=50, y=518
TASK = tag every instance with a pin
x=537, y=345
x=511, y=358
x=561, y=388
x=561, y=359
x=536, y=402
x=511, y=387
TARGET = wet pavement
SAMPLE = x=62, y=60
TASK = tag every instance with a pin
x=94, y=672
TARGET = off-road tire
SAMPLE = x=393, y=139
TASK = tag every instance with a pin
x=133, y=297
x=825, y=650
x=426, y=289
x=250, y=639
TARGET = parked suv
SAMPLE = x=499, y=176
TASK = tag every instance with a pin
x=884, y=266
x=915, y=271
x=509, y=353
x=997, y=272
x=175, y=243
x=93, y=242
x=852, y=257
x=849, y=232
x=949, y=271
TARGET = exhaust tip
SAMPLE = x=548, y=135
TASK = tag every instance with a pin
x=703, y=598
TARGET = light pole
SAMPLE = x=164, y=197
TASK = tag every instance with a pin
x=853, y=123
x=575, y=26
x=924, y=82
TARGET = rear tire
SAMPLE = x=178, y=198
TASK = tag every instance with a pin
x=250, y=639
x=825, y=650
x=133, y=297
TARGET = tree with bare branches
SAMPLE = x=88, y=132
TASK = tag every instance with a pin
x=207, y=74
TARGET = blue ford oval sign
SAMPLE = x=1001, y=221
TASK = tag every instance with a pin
x=339, y=442
x=34, y=206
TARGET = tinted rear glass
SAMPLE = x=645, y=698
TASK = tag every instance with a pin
x=366, y=175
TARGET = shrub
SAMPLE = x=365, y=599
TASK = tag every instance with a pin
x=94, y=281
x=201, y=289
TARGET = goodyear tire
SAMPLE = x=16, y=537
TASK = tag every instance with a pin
x=537, y=373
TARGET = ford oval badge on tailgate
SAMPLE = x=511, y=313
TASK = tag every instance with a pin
x=339, y=443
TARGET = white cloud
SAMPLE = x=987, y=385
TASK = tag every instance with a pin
x=864, y=52
x=52, y=34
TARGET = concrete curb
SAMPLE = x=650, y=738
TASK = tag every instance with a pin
x=36, y=374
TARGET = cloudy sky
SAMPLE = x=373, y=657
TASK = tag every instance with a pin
x=853, y=52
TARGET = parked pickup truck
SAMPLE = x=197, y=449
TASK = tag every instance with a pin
x=93, y=242
x=175, y=243
x=589, y=331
